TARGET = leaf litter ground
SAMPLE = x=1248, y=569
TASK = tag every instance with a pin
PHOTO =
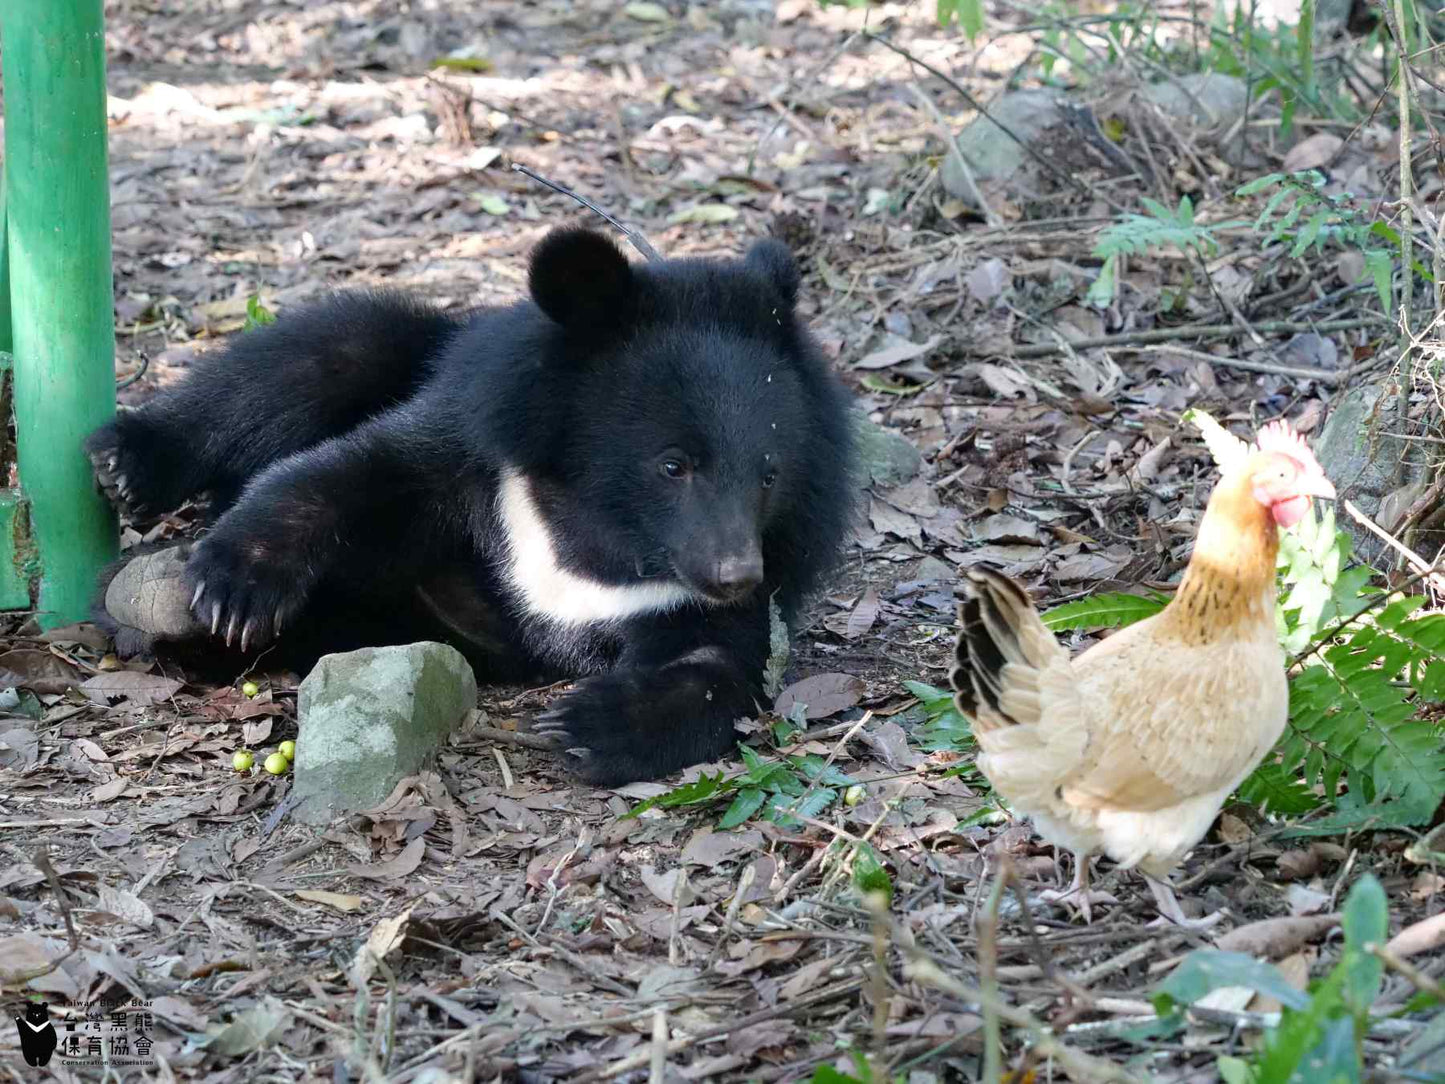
x=490, y=920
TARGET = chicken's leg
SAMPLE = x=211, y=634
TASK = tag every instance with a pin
x=1170, y=910
x=1079, y=893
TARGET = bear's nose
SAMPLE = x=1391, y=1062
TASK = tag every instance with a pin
x=739, y=574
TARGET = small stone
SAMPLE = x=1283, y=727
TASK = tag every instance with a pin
x=888, y=458
x=369, y=718
x=991, y=155
x=1361, y=458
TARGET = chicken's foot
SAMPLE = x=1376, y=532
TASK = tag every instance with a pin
x=1170, y=911
x=1078, y=893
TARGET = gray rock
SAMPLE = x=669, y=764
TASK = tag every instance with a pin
x=991, y=154
x=1204, y=99
x=1360, y=457
x=888, y=458
x=369, y=718
x=1209, y=103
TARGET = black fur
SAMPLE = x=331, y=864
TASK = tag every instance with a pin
x=674, y=421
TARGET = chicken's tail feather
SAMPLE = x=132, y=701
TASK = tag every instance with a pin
x=1002, y=646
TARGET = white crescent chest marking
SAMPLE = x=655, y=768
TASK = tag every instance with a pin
x=548, y=590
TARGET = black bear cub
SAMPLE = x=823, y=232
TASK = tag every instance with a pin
x=608, y=480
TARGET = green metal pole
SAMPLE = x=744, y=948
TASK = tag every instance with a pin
x=58, y=210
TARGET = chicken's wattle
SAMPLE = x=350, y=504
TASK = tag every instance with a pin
x=1290, y=511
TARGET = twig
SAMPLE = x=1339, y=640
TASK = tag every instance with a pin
x=511, y=737
x=827, y=63
x=674, y=935
x=988, y=982
x=42, y=863
x=1188, y=331
x=658, y=1072
x=1331, y=377
x=643, y=1057
x=1081, y=1067
x=1416, y=562
x=552, y=890
x=1417, y=978
x=964, y=169
x=638, y=241
x=745, y=882
x=506, y=768
x=877, y=905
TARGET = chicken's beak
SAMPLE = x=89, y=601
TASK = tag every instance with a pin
x=1317, y=485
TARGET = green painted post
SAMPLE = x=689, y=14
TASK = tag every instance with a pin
x=58, y=239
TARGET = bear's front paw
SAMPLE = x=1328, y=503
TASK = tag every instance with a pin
x=624, y=727
x=244, y=587
x=134, y=469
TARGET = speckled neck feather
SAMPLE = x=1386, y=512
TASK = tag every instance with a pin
x=1230, y=581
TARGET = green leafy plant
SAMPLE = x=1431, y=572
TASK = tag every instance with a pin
x=863, y=1072
x=771, y=790
x=257, y=314
x=1321, y=1032
x=1133, y=234
x=969, y=14
x=1301, y=214
x=1277, y=56
x=942, y=727
x=1354, y=715
x=1105, y=611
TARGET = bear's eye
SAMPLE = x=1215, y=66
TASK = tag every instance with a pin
x=674, y=468
x=769, y=479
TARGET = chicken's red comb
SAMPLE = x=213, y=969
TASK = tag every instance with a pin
x=1279, y=436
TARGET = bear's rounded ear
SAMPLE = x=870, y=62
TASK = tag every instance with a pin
x=774, y=260
x=580, y=279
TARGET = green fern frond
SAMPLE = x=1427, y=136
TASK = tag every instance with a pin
x=1107, y=611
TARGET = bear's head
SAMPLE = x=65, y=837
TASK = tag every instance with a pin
x=37, y=1012
x=681, y=426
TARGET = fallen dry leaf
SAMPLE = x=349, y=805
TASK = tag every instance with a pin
x=1424, y=936
x=402, y=865
x=751, y=956
x=125, y=905
x=129, y=685
x=39, y=671
x=1277, y=937
x=895, y=354
x=385, y=938
x=1296, y=971
x=709, y=848
x=863, y=615
x=338, y=900
x=1313, y=152
x=823, y=695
